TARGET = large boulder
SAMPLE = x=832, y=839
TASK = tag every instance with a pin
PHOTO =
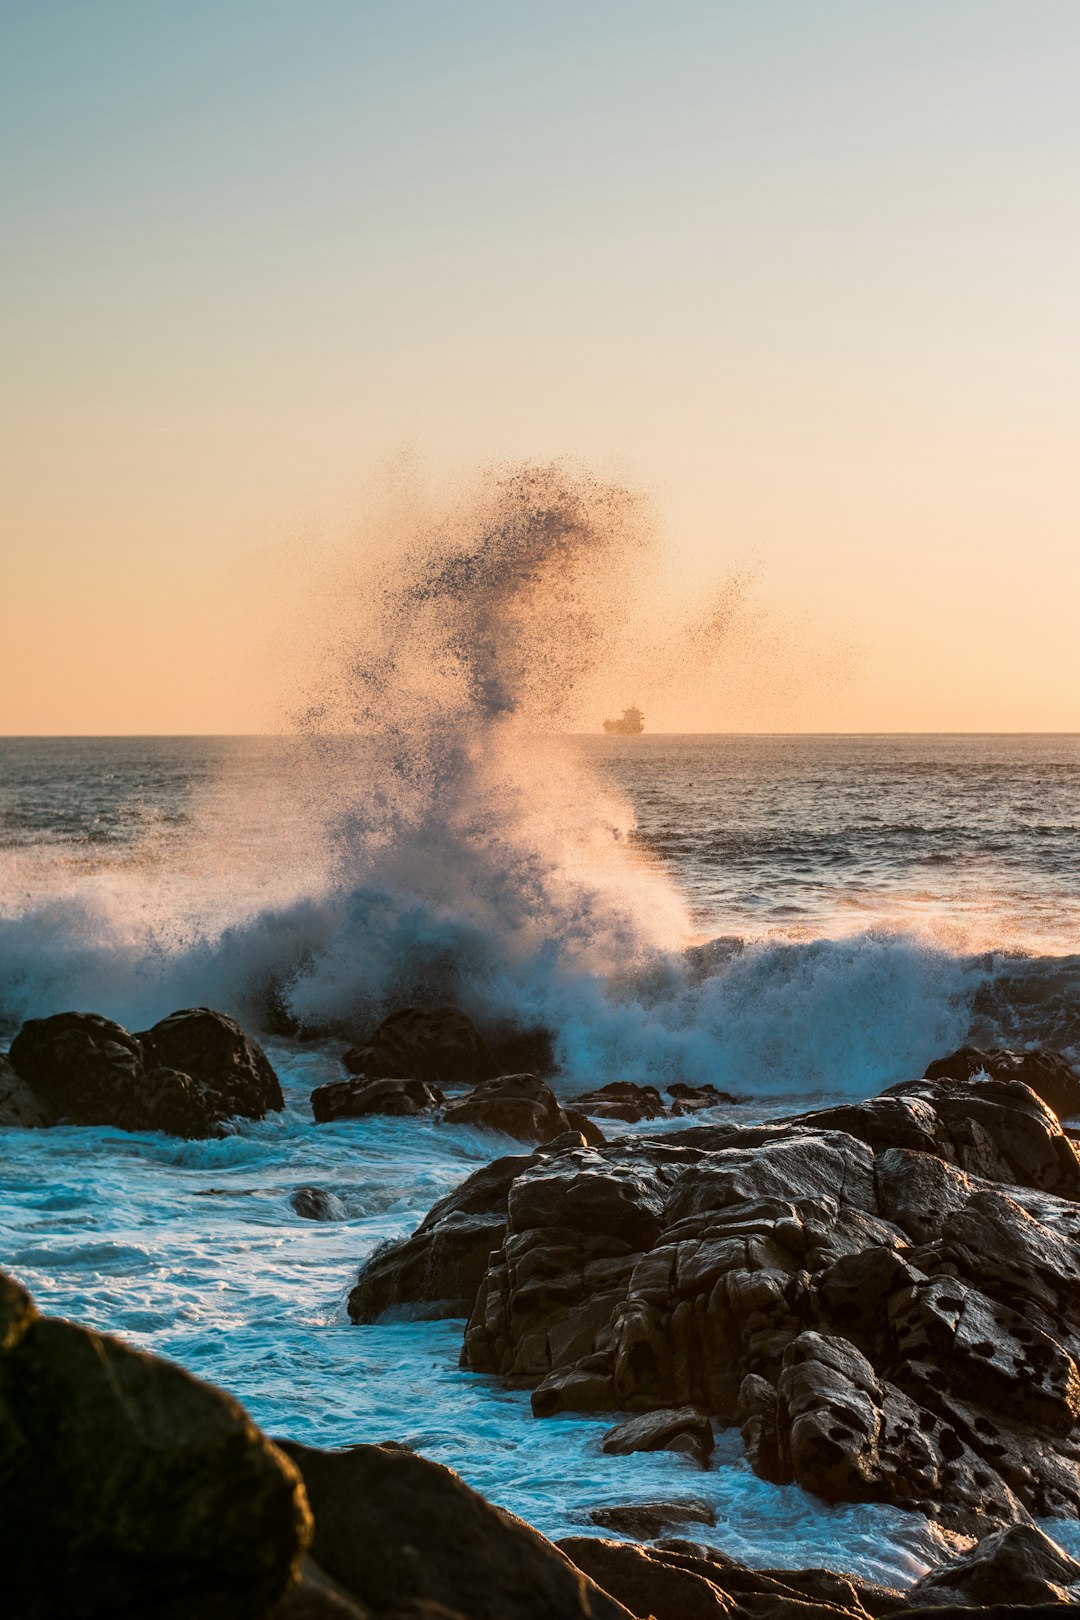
x=441, y=1045
x=393, y=1529
x=1049, y=1074
x=356, y=1099
x=518, y=1105
x=86, y=1068
x=186, y=1076
x=128, y=1487
x=20, y=1105
x=216, y=1053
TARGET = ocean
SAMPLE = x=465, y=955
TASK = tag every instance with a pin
x=791, y=918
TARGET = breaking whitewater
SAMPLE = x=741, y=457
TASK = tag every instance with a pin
x=788, y=919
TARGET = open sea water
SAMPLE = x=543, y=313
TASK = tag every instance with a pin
x=792, y=918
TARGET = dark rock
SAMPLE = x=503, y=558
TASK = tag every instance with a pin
x=682, y=1580
x=317, y=1597
x=646, y=1521
x=393, y=1529
x=440, y=1268
x=684, y=1429
x=315, y=1204
x=1050, y=1075
x=590, y=1132
x=649, y=1583
x=691, y=1099
x=353, y=1099
x=215, y=1052
x=518, y=1105
x=186, y=1076
x=586, y=1386
x=1019, y=1565
x=442, y=1046
x=624, y=1100
x=127, y=1486
x=994, y=1128
x=885, y=1297
x=20, y=1104
x=85, y=1068
x=783, y=1593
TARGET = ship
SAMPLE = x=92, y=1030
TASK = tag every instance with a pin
x=632, y=724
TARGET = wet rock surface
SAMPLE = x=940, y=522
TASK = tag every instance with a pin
x=683, y=1429
x=1019, y=1565
x=220, y=1057
x=681, y=1580
x=649, y=1520
x=884, y=1296
x=316, y=1204
x=188, y=1075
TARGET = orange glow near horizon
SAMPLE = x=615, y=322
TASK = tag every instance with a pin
x=803, y=276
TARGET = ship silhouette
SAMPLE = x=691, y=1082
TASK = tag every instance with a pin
x=632, y=724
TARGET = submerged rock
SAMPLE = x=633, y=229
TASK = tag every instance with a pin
x=394, y=1529
x=315, y=1204
x=128, y=1487
x=186, y=1076
x=884, y=1296
x=354, y=1099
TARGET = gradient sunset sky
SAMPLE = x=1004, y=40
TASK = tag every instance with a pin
x=804, y=271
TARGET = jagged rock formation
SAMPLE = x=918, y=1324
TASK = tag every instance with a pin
x=883, y=1295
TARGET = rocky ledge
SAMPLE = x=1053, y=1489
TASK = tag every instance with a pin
x=128, y=1488
x=883, y=1296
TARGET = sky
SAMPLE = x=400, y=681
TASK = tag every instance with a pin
x=804, y=272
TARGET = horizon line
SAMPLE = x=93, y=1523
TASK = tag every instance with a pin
x=247, y=736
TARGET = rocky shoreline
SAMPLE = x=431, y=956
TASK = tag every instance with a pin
x=882, y=1296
